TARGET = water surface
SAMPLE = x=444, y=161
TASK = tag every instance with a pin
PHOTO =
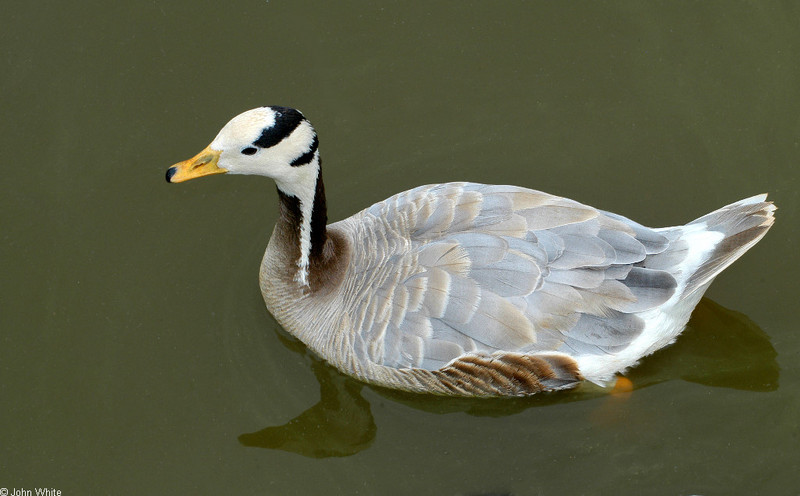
x=136, y=354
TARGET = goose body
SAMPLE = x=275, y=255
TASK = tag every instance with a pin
x=470, y=289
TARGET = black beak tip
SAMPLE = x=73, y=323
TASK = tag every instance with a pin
x=171, y=172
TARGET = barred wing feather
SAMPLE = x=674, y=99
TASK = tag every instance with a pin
x=461, y=268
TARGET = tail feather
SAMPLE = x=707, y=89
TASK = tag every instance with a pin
x=742, y=225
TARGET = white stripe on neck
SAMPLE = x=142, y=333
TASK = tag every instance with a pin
x=303, y=187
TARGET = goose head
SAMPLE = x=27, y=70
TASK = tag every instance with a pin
x=275, y=142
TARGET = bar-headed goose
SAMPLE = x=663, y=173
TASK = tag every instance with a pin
x=470, y=289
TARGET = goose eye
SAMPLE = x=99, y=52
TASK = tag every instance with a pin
x=249, y=151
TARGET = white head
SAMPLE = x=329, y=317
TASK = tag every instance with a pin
x=276, y=142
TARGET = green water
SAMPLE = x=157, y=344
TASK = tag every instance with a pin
x=136, y=356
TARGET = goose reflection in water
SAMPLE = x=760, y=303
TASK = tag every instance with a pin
x=719, y=348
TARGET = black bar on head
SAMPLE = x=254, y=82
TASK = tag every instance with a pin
x=308, y=156
x=286, y=121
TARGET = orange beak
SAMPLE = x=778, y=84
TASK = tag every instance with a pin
x=202, y=164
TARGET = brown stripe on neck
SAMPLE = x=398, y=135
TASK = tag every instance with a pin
x=319, y=218
x=325, y=251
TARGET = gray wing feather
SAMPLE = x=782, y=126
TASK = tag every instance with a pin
x=460, y=268
x=627, y=248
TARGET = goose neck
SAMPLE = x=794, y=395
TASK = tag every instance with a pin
x=303, y=220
